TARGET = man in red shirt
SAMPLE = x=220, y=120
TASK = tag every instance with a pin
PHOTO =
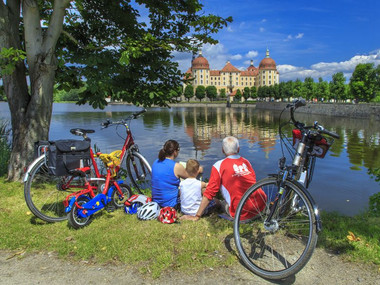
x=232, y=176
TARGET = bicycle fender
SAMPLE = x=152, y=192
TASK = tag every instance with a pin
x=314, y=205
x=30, y=167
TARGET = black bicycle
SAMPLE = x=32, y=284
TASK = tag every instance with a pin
x=277, y=240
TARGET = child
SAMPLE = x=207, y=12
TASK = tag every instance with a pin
x=191, y=189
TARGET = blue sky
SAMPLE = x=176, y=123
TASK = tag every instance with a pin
x=305, y=38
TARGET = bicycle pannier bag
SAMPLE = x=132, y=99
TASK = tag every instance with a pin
x=67, y=155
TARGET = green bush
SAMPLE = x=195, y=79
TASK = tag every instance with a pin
x=5, y=148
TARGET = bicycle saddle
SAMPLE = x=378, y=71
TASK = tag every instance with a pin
x=81, y=132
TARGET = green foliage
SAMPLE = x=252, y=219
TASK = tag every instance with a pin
x=3, y=97
x=322, y=89
x=337, y=88
x=5, y=147
x=374, y=204
x=200, y=92
x=189, y=92
x=309, y=88
x=9, y=58
x=222, y=93
x=238, y=95
x=363, y=82
x=246, y=93
x=125, y=58
x=211, y=92
x=253, y=92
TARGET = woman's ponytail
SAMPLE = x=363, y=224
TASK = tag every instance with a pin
x=168, y=149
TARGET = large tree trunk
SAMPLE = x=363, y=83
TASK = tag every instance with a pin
x=30, y=112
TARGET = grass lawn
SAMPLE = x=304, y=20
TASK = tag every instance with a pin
x=154, y=247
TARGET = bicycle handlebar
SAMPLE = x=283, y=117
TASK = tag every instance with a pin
x=107, y=123
x=327, y=132
x=300, y=103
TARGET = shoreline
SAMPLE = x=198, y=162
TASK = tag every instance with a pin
x=361, y=111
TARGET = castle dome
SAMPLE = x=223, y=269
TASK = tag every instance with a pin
x=267, y=62
x=200, y=62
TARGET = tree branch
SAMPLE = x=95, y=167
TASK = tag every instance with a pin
x=55, y=25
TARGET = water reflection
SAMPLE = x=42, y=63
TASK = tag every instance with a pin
x=341, y=180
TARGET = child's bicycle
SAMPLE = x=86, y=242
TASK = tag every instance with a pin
x=82, y=205
x=280, y=239
x=50, y=178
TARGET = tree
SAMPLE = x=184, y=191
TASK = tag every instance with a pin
x=363, y=82
x=66, y=41
x=238, y=95
x=253, y=92
x=200, y=92
x=189, y=92
x=246, y=93
x=222, y=93
x=211, y=92
x=297, y=88
x=337, y=88
x=309, y=88
x=289, y=89
x=322, y=89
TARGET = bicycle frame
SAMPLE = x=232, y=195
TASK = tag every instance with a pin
x=301, y=170
x=97, y=202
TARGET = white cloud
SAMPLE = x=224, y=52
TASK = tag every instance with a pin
x=327, y=69
x=236, y=57
x=229, y=29
x=252, y=54
x=261, y=29
x=296, y=37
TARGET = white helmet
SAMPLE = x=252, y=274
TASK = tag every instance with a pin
x=149, y=211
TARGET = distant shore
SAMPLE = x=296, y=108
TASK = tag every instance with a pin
x=364, y=111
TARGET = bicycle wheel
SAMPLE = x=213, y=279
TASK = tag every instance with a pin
x=119, y=201
x=44, y=193
x=140, y=173
x=75, y=221
x=280, y=248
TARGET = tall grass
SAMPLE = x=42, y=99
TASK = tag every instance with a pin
x=5, y=147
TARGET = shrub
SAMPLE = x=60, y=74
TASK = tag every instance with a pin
x=5, y=147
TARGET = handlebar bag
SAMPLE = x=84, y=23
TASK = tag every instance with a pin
x=67, y=155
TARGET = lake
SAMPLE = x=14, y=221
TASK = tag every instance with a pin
x=341, y=180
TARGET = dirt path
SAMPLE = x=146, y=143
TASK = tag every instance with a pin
x=45, y=268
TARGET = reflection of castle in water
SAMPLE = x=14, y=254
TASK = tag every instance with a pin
x=204, y=125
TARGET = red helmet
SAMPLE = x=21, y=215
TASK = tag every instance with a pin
x=168, y=215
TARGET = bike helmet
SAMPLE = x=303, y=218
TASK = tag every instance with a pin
x=138, y=198
x=132, y=209
x=149, y=211
x=135, y=202
x=168, y=215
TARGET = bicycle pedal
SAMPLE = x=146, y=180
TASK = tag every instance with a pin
x=110, y=208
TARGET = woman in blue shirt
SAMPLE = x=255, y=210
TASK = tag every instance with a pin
x=166, y=174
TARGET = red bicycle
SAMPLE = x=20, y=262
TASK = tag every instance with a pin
x=45, y=191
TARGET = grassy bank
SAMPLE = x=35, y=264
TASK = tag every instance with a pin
x=154, y=247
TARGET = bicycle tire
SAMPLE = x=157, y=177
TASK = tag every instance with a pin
x=43, y=194
x=139, y=172
x=117, y=202
x=283, y=248
x=77, y=222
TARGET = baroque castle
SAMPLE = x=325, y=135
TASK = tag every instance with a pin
x=231, y=78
